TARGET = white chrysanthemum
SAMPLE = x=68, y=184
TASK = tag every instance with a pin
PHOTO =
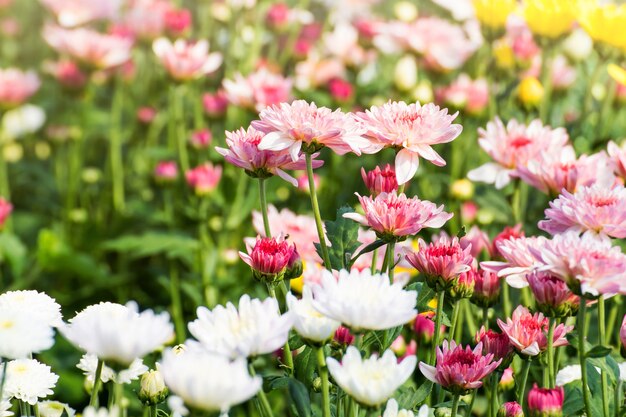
x=569, y=374
x=89, y=362
x=622, y=371
x=208, y=381
x=23, y=121
x=22, y=334
x=40, y=305
x=392, y=410
x=55, y=409
x=28, y=380
x=308, y=322
x=5, y=409
x=370, y=381
x=177, y=406
x=100, y=412
x=118, y=333
x=255, y=328
x=363, y=301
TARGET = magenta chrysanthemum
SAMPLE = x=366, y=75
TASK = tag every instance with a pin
x=552, y=295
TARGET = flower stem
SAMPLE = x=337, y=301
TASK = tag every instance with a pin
x=115, y=148
x=455, y=319
x=153, y=411
x=389, y=260
x=582, y=333
x=521, y=393
x=602, y=334
x=439, y=313
x=316, y=212
x=551, y=377
x=354, y=408
x=177, y=126
x=177, y=309
x=4, y=376
x=323, y=370
x=374, y=261
x=262, y=403
x=286, y=348
x=263, y=197
x=455, y=405
x=493, y=404
x=97, y=382
x=486, y=317
x=546, y=82
x=506, y=300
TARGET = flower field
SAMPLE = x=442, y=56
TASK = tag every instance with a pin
x=312, y=208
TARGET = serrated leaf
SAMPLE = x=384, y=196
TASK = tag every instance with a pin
x=300, y=397
x=410, y=398
x=598, y=351
x=343, y=236
x=573, y=403
x=305, y=365
x=425, y=296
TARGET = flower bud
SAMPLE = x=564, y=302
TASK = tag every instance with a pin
x=166, y=172
x=622, y=336
x=405, y=11
x=399, y=346
x=424, y=327
x=380, y=180
x=177, y=22
x=545, y=402
x=552, y=295
x=511, y=409
x=277, y=16
x=503, y=54
x=486, y=288
x=507, y=381
x=204, y=178
x=463, y=189
x=270, y=259
x=343, y=336
x=340, y=89
x=463, y=287
x=201, y=139
x=215, y=104
x=530, y=92
x=405, y=73
x=469, y=210
x=578, y=45
x=294, y=266
x=5, y=211
x=153, y=390
x=497, y=344
x=146, y=114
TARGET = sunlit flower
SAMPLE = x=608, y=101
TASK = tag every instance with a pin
x=23, y=333
x=204, y=178
x=528, y=332
x=185, y=60
x=146, y=18
x=471, y=96
x=166, y=171
x=603, y=22
x=618, y=157
x=152, y=387
x=552, y=296
x=71, y=13
x=89, y=363
x=256, y=327
x=17, y=86
x=379, y=180
x=363, y=301
x=549, y=18
x=459, y=370
x=39, y=305
x=178, y=21
x=28, y=380
x=272, y=259
x=258, y=90
x=207, y=381
x=493, y=14
x=308, y=322
x=545, y=402
x=5, y=408
x=373, y=380
x=412, y=129
x=519, y=260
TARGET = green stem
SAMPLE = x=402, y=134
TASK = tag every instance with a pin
x=618, y=398
x=374, y=261
x=551, y=376
x=493, y=404
x=486, y=317
x=97, y=382
x=588, y=102
x=5, y=189
x=177, y=309
x=603, y=376
x=521, y=392
x=354, y=408
x=153, y=411
x=115, y=148
x=582, y=334
x=286, y=348
x=118, y=390
x=263, y=197
x=546, y=82
x=455, y=318
x=316, y=212
x=506, y=299
x=435, y=342
x=177, y=126
x=323, y=370
x=390, y=258
x=455, y=405
x=4, y=376
x=264, y=404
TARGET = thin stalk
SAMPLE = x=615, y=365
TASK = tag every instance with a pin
x=455, y=319
x=551, y=376
x=264, y=404
x=582, y=333
x=354, y=408
x=115, y=148
x=546, y=82
x=118, y=390
x=286, y=348
x=618, y=398
x=153, y=411
x=506, y=300
x=5, y=189
x=177, y=125
x=469, y=316
x=97, y=382
x=440, y=300
x=603, y=376
x=493, y=404
x=455, y=405
x=316, y=212
x=263, y=197
x=390, y=258
x=323, y=370
x=588, y=102
x=521, y=392
x=4, y=376
x=486, y=317
x=177, y=308
x=374, y=261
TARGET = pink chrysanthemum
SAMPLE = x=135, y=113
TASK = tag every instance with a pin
x=380, y=180
x=292, y=126
x=270, y=258
x=618, y=158
x=243, y=151
x=588, y=264
x=552, y=296
x=460, y=370
x=596, y=208
x=545, y=402
x=185, y=60
x=622, y=334
x=512, y=146
x=72, y=13
x=471, y=96
x=528, y=332
x=518, y=259
x=394, y=217
x=17, y=86
x=486, y=288
x=258, y=90
x=5, y=211
x=411, y=128
x=497, y=344
x=204, y=178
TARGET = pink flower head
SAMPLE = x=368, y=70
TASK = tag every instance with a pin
x=424, y=326
x=94, y=49
x=340, y=89
x=545, y=402
x=512, y=146
x=68, y=74
x=343, y=336
x=146, y=18
x=411, y=128
x=588, y=264
x=471, y=96
x=478, y=239
x=17, y=86
x=519, y=260
x=528, y=332
x=379, y=180
x=5, y=211
x=509, y=232
x=622, y=334
x=618, y=157
x=177, y=22
x=166, y=171
x=72, y=13
x=441, y=261
x=460, y=370
x=464, y=285
x=277, y=15
x=486, y=288
x=270, y=258
x=204, y=178
x=497, y=344
x=215, y=104
x=552, y=296
x=597, y=208
x=301, y=124
x=201, y=139
x=146, y=114
x=243, y=151
x=184, y=60
x=511, y=409
x=394, y=217
x=507, y=381
x=258, y=90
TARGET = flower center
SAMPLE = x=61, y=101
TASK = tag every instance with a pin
x=520, y=142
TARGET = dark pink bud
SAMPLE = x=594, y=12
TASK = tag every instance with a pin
x=511, y=409
x=166, y=171
x=201, y=139
x=269, y=258
x=146, y=114
x=343, y=336
x=497, y=344
x=545, y=402
x=177, y=21
x=215, y=104
x=277, y=15
x=69, y=75
x=340, y=89
x=486, y=288
x=380, y=180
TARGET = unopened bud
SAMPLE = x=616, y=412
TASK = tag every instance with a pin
x=153, y=390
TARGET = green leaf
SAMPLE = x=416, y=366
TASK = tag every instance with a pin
x=598, y=351
x=573, y=403
x=274, y=382
x=300, y=397
x=305, y=366
x=173, y=246
x=593, y=377
x=343, y=236
x=410, y=398
x=424, y=296
x=13, y=252
x=369, y=248
x=608, y=365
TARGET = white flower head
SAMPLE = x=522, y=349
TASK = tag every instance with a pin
x=371, y=381
x=40, y=305
x=392, y=410
x=308, y=322
x=207, y=381
x=23, y=121
x=100, y=412
x=5, y=408
x=28, y=380
x=118, y=333
x=22, y=334
x=89, y=362
x=177, y=406
x=622, y=371
x=255, y=328
x=55, y=409
x=364, y=301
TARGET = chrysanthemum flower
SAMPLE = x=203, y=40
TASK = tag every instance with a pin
x=373, y=380
x=23, y=333
x=511, y=409
x=5, y=408
x=549, y=18
x=617, y=154
x=363, y=301
x=379, y=180
x=603, y=22
x=412, y=129
x=486, y=288
x=519, y=260
x=310, y=324
x=622, y=333
x=28, y=380
x=545, y=402
x=5, y=211
x=493, y=14
x=207, y=381
x=243, y=151
x=459, y=370
x=89, y=363
x=185, y=60
x=497, y=344
x=394, y=217
x=17, y=86
x=50, y=408
x=118, y=333
x=71, y=13
x=255, y=328
x=272, y=259
x=528, y=332
x=552, y=296
x=258, y=90
x=204, y=178
x=39, y=305
x=392, y=410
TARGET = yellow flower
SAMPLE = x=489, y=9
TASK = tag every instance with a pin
x=617, y=73
x=493, y=13
x=605, y=23
x=549, y=18
x=503, y=53
x=530, y=91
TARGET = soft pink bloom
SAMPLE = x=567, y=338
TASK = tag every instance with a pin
x=379, y=180
x=622, y=333
x=10, y=27
x=394, y=216
x=92, y=48
x=258, y=90
x=552, y=296
x=545, y=402
x=186, y=60
x=204, y=178
x=201, y=139
x=528, y=332
x=498, y=344
x=243, y=151
x=71, y=13
x=589, y=264
x=464, y=285
x=166, y=171
x=343, y=336
x=459, y=370
x=518, y=259
x=5, y=211
x=270, y=257
x=342, y=42
x=146, y=114
x=441, y=261
x=618, y=157
x=486, y=288
x=17, y=86
x=215, y=104
x=507, y=381
x=478, y=239
x=303, y=182
x=68, y=74
x=521, y=39
x=146, y=18
x=301, y=124
x=315, y=71
x=511, y=409
x=424, y=326
x=412, y=127
x=562, y=75
x=340, y=89
x=597, y=208
x=177, y=22
x=469, y=211
x=471, y=96
x=512, y=146
x=509, y=232
x=277, y=15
